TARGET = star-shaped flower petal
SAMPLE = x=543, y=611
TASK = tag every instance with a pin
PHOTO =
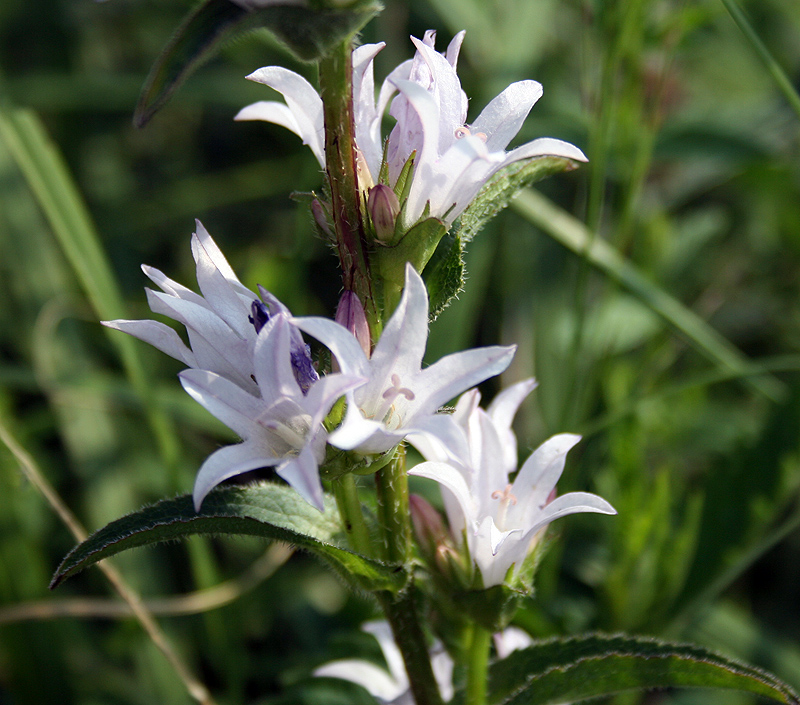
x=281, y=428
x=222, y=323
x=400, y=399
x=500, y=519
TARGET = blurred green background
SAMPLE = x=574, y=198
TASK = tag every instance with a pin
x=693, y=187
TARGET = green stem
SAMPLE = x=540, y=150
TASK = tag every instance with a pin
x=477, y=665
x=393, y=510
x=346, y=493
x=336, y=89
x=401, y=613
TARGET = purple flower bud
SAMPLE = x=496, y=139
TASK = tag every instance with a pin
x=383, y=208
x=350, y=314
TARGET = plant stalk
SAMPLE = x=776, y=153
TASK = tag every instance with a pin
x=393, y=511
x=346, y=493
x=477, y=665
x=336, y=89
x=401, y=613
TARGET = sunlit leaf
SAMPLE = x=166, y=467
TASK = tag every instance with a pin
x=267, y=510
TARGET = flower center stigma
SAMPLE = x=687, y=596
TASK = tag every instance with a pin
x=386, y=410
x=507, y=499
x=464, y=131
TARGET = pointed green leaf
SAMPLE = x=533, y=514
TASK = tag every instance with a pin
x=268, y=510
x=444, y=275
x=308, y=33
x=498, y=192
x=577, y=668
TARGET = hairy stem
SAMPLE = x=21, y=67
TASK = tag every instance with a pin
x=346, y=492
x=336, y=89
x=393, y=510
x=401, y=613
x=477, y=665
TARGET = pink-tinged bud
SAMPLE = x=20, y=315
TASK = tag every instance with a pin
x=383, y=208
x=350, y=314
x=321, y=218
x=428, y=525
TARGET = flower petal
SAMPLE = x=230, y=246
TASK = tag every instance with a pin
x=302, y=473
x=304, y=102
x=571, y=503
x=454, y=373
x=372, y=678
x=502, y=411
x=544, y=147
x=402, y=344
x=451, y=479
x=272, y=362
x=394, y=659
x=502, y=118
x=225, y=463
x=159, y=336
x=340, y=341
x=539, y=474
x=237, y=409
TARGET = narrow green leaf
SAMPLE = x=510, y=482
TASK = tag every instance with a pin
x=267, y=510
x=500, y=190
x=575, y=236
x=444, y=275
x=578, y=668
x=308, y=33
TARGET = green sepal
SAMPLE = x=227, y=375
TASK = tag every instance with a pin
x=596, y=665
x=416, y=246
x=308, y=33
x=492, y=608
x=340, y=462
x=267, y=510
x=444, y=276
x=501, y=188
x=402, y=186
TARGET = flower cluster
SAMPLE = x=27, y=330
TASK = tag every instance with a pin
x=452, y=160
x=250, y=367
x=500, y=519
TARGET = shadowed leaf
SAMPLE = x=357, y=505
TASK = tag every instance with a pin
x=307, y=33
x=578, y=668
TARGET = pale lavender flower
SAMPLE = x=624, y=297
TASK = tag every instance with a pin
x=501, y=520
x=281, y=428
x=400, y=399
x=222, y=324
x=453, y=159
x=249, y=367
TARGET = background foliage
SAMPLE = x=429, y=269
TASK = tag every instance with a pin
x=693, y=180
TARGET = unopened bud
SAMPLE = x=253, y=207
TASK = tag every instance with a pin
x=383, y=207
x=428, y=525
x=321, y=218
x=350, y=314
